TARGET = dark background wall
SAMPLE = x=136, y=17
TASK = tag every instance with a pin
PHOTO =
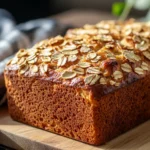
x=24, y=10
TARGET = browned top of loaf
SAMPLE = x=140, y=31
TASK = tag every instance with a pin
x=105, y=56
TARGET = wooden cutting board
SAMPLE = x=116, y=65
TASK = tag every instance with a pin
x=21, y=136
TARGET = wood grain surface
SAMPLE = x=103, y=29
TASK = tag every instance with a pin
x=21, y=136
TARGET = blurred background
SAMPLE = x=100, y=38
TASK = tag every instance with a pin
x=24, y=10
x=16, y=32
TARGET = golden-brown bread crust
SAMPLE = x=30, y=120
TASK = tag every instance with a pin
x=105, y=60
x=83, y=85
x=73, y=112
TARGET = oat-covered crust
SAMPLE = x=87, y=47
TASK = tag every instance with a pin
x=107, y=56
x=63, y=84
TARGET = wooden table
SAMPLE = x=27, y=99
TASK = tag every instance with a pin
x=20, y=136
x=80, y=17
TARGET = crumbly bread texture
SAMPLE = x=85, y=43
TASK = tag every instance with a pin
x=91, y=85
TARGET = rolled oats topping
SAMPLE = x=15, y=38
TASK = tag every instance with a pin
x=94, y=70
x=79, y=70
x=62, y=61
x=69, y=47
x=142, y=46
x=139, y=70
x=107, y=53
x=23, y=53
x=96, y=59
x=91, y=79
x=72, y=58
x=91, y=55
x=105, y=38
x=32, y=52
x=117, y=75
x=43, y=68
x=68, y=75
x=34, y=68
x=57, y=56
x=147, y=54
x=84, y=64
x=46, y=59
x=103, y=81
x=70, y=52
x=95, y=79
x=131, y=56
x=127, y=43
x=21, y=61
x=32, y=61
x=144, y=66
x=112, y=82
x=136, y=39
x=23, y=69
x=110, y=55
x=126, y=67
x=31, y=57
x=84, y=49
x=14, y=60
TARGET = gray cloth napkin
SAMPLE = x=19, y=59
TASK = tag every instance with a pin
x=13, y=37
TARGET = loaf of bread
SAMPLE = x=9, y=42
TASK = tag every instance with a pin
x=91, y=85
